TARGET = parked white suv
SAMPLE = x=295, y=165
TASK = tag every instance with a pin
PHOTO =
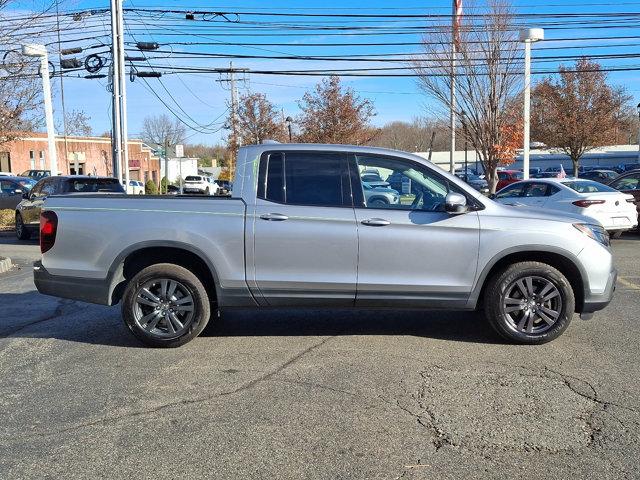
x=200, y=184
x=135, y=187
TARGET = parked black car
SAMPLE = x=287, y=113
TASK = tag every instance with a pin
x=28, y=210
x=36, y=174
x=11, y=190
x=602, y=176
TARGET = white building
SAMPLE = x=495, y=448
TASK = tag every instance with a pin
x=178, y=168
x=605, y=157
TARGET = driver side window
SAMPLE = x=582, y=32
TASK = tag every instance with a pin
x=395, y=183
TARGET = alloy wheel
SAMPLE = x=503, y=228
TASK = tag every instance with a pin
x=532, y=304
x=164, y=308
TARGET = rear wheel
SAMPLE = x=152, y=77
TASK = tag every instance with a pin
x=378, y=202
x=529, y=302
x=206, y=191
x=615, y=234
x=166, y=305
x=22, y=232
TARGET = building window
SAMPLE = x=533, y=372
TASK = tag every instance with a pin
x=5, y=162
x=42, y=159
x=32, y=159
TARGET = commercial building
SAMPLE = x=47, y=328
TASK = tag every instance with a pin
x=81, y=155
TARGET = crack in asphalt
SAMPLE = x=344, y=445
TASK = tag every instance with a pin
x=186, y=401
x=57, y=312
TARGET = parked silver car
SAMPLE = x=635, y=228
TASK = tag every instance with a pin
x=298, y=231
x=380, y=196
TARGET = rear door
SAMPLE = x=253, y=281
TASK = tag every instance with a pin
x=304, y=230
x=535, y=194
x=32, y=207
x=411, y=252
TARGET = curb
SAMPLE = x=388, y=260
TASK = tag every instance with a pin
x=5, y=264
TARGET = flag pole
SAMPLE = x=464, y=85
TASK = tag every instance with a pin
x=452, y=105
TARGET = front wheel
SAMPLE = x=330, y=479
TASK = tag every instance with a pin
x=615, y=234
x=529, y=303
x=166, y=305
x=22, y=232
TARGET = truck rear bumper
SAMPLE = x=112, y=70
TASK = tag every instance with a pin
x=76, y=288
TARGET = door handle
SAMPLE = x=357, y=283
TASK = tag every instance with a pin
x=376, y=222
x=273, y=217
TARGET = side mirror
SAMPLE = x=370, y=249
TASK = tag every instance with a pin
x=25, y=194
x=492, y=196
x=455, y=204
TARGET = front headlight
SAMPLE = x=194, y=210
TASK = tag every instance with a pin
x=596, y=232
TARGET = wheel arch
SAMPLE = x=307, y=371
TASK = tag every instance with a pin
x=141, y=255
x=562, y=260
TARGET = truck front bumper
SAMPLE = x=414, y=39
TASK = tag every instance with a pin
x=76, y=288
x=597, y=301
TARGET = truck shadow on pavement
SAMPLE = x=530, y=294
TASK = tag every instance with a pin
x=32, y=315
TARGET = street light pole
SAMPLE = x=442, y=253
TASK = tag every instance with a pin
x=528, y=36
x=40, y=51
x=288, y=120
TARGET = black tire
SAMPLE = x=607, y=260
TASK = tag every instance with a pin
x=378, y=202
x=615, y=234
x=206, y=191
x=201, y=312
x=505, y=281
x=22, y=232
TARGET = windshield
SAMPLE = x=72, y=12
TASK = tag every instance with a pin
x=93, y=185
x=587, y=186
x=27, y=183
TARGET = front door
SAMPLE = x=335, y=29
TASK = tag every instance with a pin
x=304, y=231
x=411, y=252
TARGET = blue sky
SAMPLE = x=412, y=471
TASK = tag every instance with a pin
x=205, y=100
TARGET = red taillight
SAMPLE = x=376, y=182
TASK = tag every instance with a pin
x=48, y=229
x=587, y=203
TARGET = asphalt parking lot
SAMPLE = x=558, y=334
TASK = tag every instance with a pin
x=308, y=394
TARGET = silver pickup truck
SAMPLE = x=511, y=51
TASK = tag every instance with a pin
x=298, y=231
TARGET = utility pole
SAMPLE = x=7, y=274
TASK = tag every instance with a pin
x=234, y=106
x=119, y=136
x=115, y=93
x=40, y=51
x=124, y=137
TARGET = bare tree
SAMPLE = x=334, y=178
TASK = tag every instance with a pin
x=333, y=114
x=20, y=89
x=414, y=136
x=487, y=80
x=162, y=130
x=78, y=123
x=258, y=120
x=578, y=111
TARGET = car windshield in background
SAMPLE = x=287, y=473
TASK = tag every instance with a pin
x=93, y=185
x=27, y=183
x=192, y=178
x=587, y=186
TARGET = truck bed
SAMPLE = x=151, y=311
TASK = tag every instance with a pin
x=96, y=232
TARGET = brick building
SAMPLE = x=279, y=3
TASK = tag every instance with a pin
x=84, y=155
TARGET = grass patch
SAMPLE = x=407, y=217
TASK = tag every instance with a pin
x=7, y=218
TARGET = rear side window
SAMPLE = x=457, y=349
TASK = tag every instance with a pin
x=304, y=178
x=588, y=186
x=93, y=185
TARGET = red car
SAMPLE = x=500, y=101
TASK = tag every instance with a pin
x=507, y=177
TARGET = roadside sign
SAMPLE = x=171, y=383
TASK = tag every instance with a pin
x=179, y=151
